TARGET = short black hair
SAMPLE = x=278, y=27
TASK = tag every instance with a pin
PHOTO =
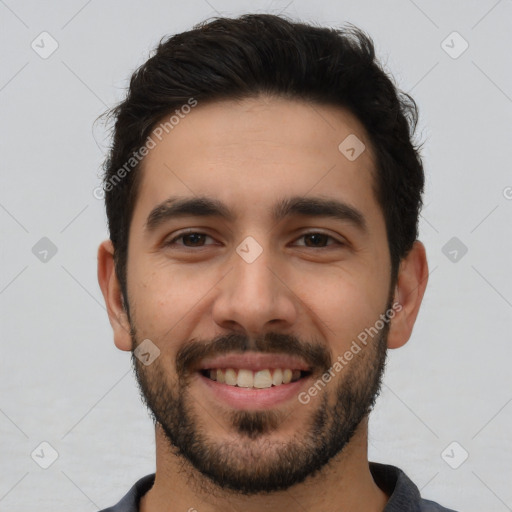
x=254, y=54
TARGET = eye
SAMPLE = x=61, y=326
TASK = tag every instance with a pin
x=317, y=239
x=189, y=239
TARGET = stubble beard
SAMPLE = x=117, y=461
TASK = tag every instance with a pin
x=250, y=460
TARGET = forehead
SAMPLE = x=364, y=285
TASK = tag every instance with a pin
x=248, y=153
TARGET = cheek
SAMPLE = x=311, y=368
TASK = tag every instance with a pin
x=344, y=304
x=164, y=295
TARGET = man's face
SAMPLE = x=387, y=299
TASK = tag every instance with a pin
x=257, y=283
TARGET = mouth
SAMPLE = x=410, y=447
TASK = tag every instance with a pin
x=254, y=381
x=260, y=379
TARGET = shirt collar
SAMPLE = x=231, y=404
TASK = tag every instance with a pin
x=403, y=493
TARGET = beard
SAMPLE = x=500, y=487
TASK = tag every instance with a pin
x=249, y=461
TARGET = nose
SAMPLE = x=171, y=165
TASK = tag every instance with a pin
x=255, y=297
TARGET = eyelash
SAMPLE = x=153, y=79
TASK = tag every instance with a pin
x=173, y=240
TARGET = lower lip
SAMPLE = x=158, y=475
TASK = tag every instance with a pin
x=251, y=398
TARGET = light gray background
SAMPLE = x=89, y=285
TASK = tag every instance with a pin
x=62, y=379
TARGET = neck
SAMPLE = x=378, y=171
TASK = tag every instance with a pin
x=345, y=484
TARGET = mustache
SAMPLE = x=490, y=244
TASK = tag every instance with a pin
x=315, y=355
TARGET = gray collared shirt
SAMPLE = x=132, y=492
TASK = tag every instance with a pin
x=403, y=494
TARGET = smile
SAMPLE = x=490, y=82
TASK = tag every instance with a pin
x=260, y=379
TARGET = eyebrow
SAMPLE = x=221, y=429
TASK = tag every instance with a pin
x=176, y=207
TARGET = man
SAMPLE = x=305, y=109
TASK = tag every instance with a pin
x=263, y=194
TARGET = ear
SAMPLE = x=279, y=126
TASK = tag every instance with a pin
x=111, y=290
x=409, y=291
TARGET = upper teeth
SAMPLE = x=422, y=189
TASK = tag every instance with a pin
x=254, y=379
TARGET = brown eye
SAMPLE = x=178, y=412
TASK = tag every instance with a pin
x=190, y=239
x=195, y=239
x=318, y=240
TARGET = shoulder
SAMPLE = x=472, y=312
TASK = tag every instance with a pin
x=130, y=501
x=432, y=506
x=403, y=493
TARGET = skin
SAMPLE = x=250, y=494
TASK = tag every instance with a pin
x=249, y=154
